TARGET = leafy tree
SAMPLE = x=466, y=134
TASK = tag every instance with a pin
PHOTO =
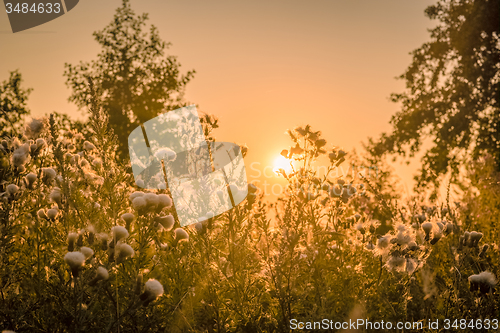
x=452, y=91
x=135, y=79
x=12, y=104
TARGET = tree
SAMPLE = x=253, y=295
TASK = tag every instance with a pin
x=452, y=93
x=132, y=74
x=12, y=105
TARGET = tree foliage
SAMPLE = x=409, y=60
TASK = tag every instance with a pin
x=12, y=104
x=135, y=78
x=452, y=91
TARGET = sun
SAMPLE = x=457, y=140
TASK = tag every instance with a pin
x=281, y=162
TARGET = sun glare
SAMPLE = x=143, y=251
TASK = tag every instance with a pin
x=281, y=162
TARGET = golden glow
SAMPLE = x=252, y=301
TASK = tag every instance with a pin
x=281, y=162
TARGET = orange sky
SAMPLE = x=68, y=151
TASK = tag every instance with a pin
x=262, y=66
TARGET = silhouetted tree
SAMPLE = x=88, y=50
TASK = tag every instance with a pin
x=12, y=105
x=135, y=80
x=452, y=91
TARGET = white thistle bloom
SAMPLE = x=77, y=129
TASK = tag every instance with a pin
x=135, y=194
x=88, y=146
x=101, y=274
x=164, y=201
x=55, y=195
x=12, y=189
x=87, y=252
x=152, y=290
x=139, y=203
x=474, y=239
x=123, y=251
x=166, y=221
x=152, y=200
x=52, y=213
x=128, y=217
x=427, y=227
x=397, y=263
x=181, y=235
x=75, y=260
x=483, y=281
x=30, y=179
x=119, y=232
x=21, y=155
x=41, y=214
x=49, y=175
x=35, y=127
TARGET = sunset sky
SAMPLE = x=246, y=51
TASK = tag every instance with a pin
x=261, y=66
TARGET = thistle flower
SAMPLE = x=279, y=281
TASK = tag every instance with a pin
x=41, y=143
x=397, y=263
x=152, y=290
x=128, y=218
x=152, y=200
x=12, y=189
x=164, y=201
x=72, y=236
x=135, y=194
x=56, y=196
x=402, y=238
x=474, y=239
x=412, y=246
x=383, y=242
x=122, y=252
x=166, y=221
x=75, y=260
x=427, y=227
x=119, y=233
x=87, y=252
x=41, y=214
x=52, y=213
x=48, y=175
x=139, y=204
x=483, y=281
x=35, y=127
x=30, y=180
x=181, y=235
x=101, y=274
x=88, y=146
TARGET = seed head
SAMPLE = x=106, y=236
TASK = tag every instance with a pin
x=166, y=221
x=164, y=201
x=87, y=252
x=152, y=290
x=123, y=251
x=119, y=233
x=88, y=146
x=75, y=260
